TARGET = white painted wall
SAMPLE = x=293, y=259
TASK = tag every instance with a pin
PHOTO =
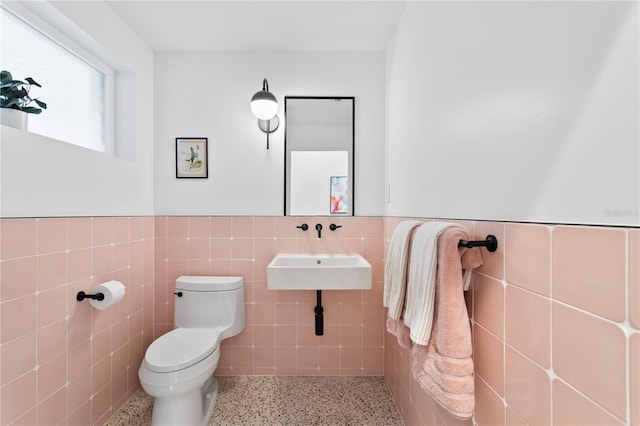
x=207, y=94
x=499, y=111
x=41, y=177
x=524, y=111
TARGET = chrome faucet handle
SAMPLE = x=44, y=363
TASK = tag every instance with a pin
x=304, y=227
x=319, y=229
x=333, y=226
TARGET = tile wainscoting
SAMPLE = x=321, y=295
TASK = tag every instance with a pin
x=62, y=361
x=279, y=338
x=555, y=315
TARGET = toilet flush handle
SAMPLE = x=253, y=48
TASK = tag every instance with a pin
x=178, y=293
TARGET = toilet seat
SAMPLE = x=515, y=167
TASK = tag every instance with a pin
x=181, y=348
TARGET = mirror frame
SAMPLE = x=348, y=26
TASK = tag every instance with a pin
x=352, y=185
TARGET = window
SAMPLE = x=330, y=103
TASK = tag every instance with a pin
x=75, y=87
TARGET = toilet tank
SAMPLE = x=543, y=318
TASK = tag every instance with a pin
x=210, y=302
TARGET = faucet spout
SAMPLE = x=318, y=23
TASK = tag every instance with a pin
x=319, y=229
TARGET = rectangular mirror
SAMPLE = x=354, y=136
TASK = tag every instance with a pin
x=319, y=140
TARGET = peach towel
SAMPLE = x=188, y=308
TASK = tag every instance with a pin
x=444, y=367
x=401, y=331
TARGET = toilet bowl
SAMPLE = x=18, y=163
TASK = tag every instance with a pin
x=177, y=370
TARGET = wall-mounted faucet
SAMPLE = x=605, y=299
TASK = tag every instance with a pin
x=304, y=227
x=319, y=229
x=333, y=226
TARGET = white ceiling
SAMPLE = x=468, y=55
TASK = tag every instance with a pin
x=264, y=25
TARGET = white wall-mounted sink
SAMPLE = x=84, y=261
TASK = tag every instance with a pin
x=319, y=272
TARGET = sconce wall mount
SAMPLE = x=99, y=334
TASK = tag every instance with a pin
x=264, y=106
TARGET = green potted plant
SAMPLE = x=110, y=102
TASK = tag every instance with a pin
x=16, y=102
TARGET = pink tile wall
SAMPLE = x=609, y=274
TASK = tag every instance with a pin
x=63, y=362
x=279, y=338
x=546, y=350
x=556, y=330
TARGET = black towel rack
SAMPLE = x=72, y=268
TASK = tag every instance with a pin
x=491, y=243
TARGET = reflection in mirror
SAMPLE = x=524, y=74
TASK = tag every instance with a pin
x=319, y=137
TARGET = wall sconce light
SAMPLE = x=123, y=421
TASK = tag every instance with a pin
x=264, y=105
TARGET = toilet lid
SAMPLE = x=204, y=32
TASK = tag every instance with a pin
x=180, y=348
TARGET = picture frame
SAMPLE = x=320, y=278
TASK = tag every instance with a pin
x=339, y=195
x=192, y=158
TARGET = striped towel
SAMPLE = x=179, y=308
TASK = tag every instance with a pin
x=421, y=286
x=395, y=268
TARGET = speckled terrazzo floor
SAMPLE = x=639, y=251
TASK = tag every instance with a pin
x=286, y=400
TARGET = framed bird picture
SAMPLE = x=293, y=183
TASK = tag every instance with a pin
x=192, y=158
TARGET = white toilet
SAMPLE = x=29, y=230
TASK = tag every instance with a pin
x=177, y=370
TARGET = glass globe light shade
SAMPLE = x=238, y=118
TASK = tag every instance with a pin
x=264, y=105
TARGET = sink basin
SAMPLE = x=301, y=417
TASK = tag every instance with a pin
x=318, y=272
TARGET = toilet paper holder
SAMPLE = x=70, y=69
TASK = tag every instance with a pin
x=82, y=295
